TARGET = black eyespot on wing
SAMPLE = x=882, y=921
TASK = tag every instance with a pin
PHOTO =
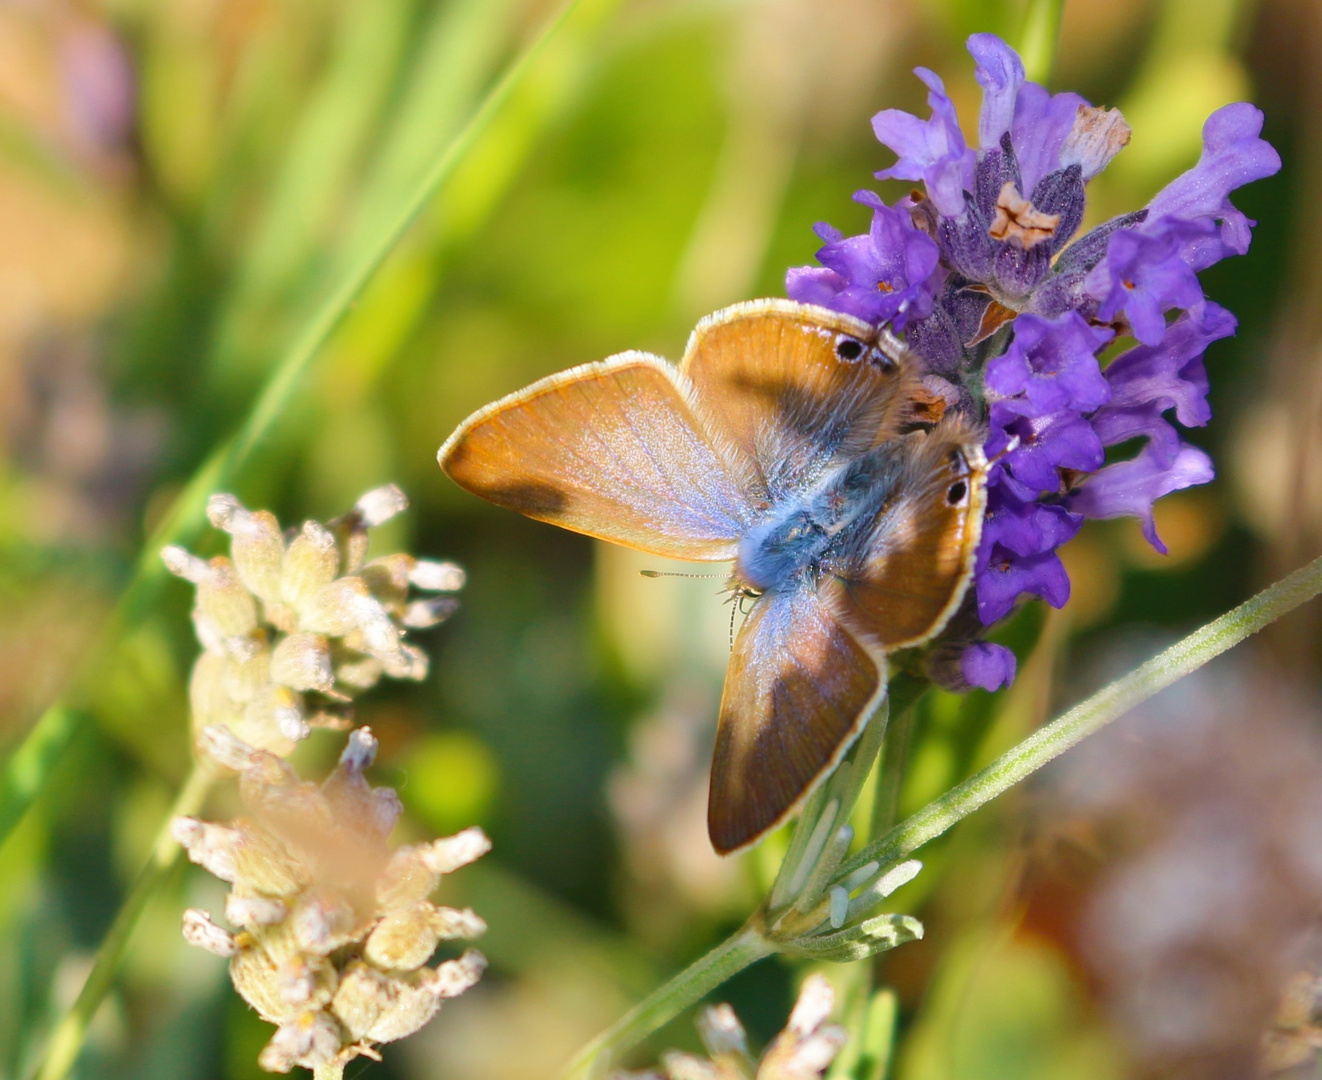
x=956, y=492
x=848, y=349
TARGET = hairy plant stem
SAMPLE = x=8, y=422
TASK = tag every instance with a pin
x=46, y=743
x=1109, y=704
x=1092, y=715
x=1039, y=37
x=692, y=984
x=67, y=1039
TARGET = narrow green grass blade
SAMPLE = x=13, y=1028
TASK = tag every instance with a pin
x=186, y=516
x=28, y=768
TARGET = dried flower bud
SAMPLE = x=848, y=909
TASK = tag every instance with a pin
x=199, y=930
x=409, y=663
x=446, y=855
x=406, y=937
x=387, y=579
x=311, y=1040
x=257, y=547
x=452, y=978
x=219, y=744
x=223, y=601
x=254, y=910
x=432, y=576
x=803, y=1051
x=303, y=662
x=185, y=564
x=379, y=505
x=423, y=614
x=212, y=847
x=310, y=564
x=323, y=921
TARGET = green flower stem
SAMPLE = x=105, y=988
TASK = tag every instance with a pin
x=690, y=985
x=67, y=1040
x=1092, y=715
x=44, y=744
x=1030, y=755
x=1039, y=37
x=886, y=801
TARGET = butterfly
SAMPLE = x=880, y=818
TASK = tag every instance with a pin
x=785, y=442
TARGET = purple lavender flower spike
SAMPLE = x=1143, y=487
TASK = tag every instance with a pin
x=1048, y=443
x=1233, y=155
x=1147, y=275
x=1000, y=73
x=931, y=150
x=1023, y=527
x=1171, y=375
x=878, y=277
x=1131, y=487
x=991, y=244
x=1053, y=363
x=1006, y=577
x=987, y=665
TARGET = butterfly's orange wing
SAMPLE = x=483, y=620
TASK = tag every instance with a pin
x=614, y=450
x=910, y=575
x=797, y=387
x=797, y=692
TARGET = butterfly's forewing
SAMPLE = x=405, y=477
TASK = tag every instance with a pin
x=912, y=568
x=613, y=450
x=797, y=691
x=797, y=386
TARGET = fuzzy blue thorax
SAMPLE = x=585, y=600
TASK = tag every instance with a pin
x=806, y=533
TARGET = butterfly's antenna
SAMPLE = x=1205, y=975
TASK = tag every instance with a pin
x=673, y=573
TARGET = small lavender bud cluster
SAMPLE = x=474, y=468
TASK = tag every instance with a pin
x=803, y=1051
x=294, y=624
x=335, y=926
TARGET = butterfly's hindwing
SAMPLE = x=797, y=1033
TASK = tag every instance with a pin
x=797, y=692
x=912, y=564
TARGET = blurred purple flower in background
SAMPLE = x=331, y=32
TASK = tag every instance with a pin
x=982, y=271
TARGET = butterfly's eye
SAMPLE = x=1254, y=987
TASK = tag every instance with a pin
x=848, y=349
x=956, y=492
